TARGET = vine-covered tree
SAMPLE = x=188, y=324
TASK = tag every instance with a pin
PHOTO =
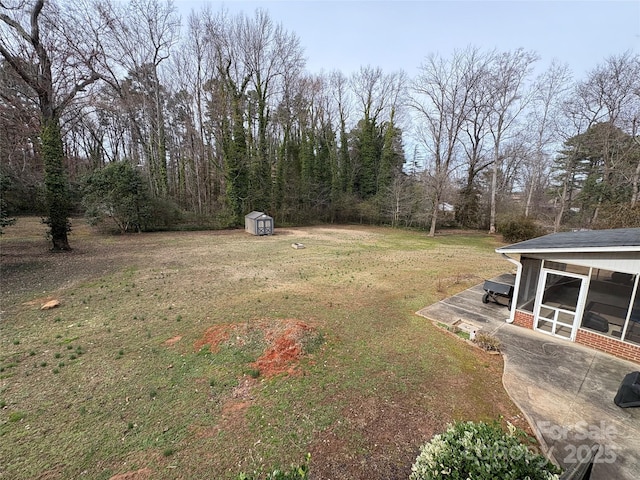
x=378, y=96
x=271, y=55
x=34, y=43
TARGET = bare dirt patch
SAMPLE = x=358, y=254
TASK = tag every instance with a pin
x=214, y=336
x=286, y=348
x=284, y=341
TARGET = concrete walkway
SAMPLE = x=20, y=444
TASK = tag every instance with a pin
x=565, y=390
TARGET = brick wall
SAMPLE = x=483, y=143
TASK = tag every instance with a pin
x=590, y=339
x=609, y=345
x=523, y=319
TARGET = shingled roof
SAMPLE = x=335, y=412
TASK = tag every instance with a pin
x=614, y=240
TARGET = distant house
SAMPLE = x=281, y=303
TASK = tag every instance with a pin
x=258, y=223
x=581, y=286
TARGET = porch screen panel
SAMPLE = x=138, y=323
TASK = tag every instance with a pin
x=528, y=283
x=561, y=292
x=633, y=326
x=608, y=304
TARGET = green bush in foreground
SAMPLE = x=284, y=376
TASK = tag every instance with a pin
x=481, y=452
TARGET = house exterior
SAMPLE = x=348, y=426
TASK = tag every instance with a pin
x=258, y=223
x=580, y=286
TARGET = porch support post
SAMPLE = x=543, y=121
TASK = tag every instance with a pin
x=516, y=287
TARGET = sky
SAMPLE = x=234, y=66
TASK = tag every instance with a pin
x=398, y=34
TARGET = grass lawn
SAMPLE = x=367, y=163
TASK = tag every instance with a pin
x=205, y=354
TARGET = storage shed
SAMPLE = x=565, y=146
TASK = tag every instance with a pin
x=581, y=286
x=258, y=223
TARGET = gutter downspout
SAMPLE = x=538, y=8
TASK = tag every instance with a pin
x=516, y=287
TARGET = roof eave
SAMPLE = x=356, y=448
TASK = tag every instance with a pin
x=629, y=248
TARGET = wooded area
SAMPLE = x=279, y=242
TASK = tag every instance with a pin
x=125, y=110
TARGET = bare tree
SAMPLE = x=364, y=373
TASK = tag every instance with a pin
x=608, y=94
x=476, y=129
x=19, y=127
x=544, y=124
x=40, y=41
x=138, y=37
x=441, y=96
x=376, y=92
x=510, y=71
x=400, y=198
x=617, y=85
x=192, y=149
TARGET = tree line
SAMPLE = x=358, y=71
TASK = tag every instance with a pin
x=126, y=110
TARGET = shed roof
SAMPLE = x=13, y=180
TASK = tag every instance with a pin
x=613, y=240
x=253, y=215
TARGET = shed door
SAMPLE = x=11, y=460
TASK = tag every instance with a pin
x=264, y=227
x=559, y=303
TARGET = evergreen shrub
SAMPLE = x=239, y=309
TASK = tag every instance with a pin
x=519, y=229
x=117, y=192
x=480, y=451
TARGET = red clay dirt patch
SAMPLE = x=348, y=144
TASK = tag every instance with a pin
x=214, y=336
x=284, y=346
x=284, y=340
x=285, y=350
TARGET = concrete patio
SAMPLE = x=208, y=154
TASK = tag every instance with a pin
x=565, y=390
